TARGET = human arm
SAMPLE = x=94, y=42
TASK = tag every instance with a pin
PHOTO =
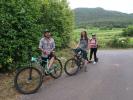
x=52, y=46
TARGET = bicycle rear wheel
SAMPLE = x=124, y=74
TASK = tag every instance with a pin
x=71, y=67
x=28, y=80
x=57, y=69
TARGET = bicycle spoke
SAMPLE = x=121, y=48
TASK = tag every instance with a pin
x=28, y=80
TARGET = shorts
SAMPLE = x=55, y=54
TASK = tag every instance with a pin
x=51, y=55
x=44, y=59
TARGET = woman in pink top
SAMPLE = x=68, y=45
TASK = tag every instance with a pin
x=93, y=48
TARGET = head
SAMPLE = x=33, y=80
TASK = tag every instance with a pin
x=84, y=35
x=47, y=33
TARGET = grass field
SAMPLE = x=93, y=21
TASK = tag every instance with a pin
x=103, y=36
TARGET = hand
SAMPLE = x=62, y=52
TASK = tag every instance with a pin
x=45, y=52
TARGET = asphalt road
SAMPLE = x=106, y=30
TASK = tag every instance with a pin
x=110, y=79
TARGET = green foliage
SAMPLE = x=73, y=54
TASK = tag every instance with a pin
x=21, y=24
x=128, y=31
x=106, y=28
x=106, y=38
x=57, y=17
x=119, y=42
x=19, y=29
x=131, y=42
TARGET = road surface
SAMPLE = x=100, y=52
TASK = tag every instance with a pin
x=110, y=79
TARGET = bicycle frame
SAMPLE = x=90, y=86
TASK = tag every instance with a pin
x=44, y=68
x=38, y=60
x=79, y=57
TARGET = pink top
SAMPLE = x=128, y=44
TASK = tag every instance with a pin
x=93, y=43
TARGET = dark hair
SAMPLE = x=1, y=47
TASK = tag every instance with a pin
x=85, y=35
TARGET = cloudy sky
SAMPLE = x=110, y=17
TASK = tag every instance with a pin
x=125, y=6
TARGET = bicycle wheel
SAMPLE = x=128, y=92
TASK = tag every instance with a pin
x=57, y=69
x=28, y=80
x=71, y=67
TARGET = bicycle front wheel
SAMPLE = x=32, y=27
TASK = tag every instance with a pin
x=57, y=69
x=28, y=80
x=71, y=67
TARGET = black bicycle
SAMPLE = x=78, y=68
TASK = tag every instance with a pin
x=29, y=79
x=74, y=64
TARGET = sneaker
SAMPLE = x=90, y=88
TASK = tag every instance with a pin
x=94, y=62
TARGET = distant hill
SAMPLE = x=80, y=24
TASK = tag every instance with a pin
x=94, y=16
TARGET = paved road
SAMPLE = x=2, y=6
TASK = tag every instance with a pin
x=110, y=79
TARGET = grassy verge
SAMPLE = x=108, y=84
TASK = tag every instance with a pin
x=7, y=90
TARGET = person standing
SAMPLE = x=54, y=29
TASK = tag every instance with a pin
x=93, y=48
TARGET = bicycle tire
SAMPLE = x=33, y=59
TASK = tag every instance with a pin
x=60, y=71
x=66, y=67
x=17, y=85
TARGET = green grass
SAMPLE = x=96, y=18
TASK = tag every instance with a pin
x=103, y=36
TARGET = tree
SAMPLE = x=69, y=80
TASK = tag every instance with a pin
x=21, y=24
x=19, y=29
x=58, y=18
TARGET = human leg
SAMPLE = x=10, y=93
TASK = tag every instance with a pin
x=95, y=56
x=91, y=53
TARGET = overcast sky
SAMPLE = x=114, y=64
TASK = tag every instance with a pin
x=125, y=6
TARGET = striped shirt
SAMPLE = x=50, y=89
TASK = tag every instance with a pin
x=93, y=43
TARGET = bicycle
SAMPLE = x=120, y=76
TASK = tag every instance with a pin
x=29, y=79
x=74, y=64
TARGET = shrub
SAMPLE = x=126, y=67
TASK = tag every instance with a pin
x=128, y=31
x=117, y=42
x=21, y=24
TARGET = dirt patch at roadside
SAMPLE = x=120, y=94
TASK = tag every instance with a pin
x=7, y=90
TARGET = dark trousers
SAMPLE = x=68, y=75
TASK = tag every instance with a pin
x=84, y=53
x=93, y=51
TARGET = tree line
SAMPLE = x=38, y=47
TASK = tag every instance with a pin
x=98, y=17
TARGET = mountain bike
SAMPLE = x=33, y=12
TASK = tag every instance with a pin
x=29, y=79
x=74, y=64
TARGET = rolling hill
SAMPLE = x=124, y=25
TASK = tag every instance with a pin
x=94, y=16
